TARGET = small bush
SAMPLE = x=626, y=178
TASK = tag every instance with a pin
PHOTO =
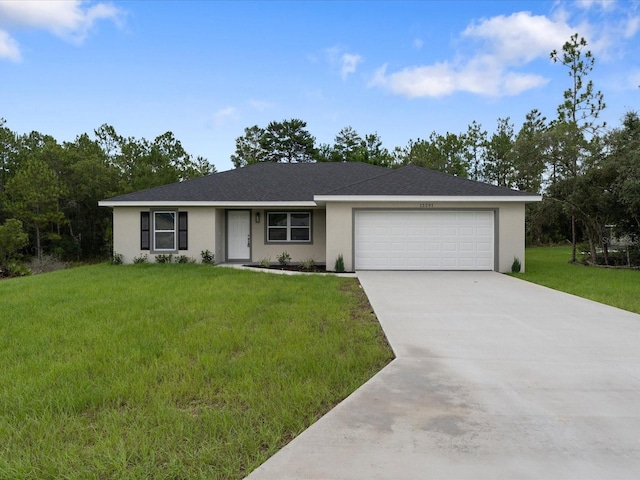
x=141, y=259
x=185, y=259
x=48, y=263
x=265, y=262
x=14, y=269
x=284, y=258
x=516, y=266
x=207, y=257
x=339, y=266
x=117, y=259
x=164, y=258
x=308, y=264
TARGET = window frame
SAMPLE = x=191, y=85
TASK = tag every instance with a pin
x=288, y=226
x=155, y=231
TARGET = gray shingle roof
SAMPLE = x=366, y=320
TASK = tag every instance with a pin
x=264, y=182
x=412, y=180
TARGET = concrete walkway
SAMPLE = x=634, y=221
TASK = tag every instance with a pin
x=495, y=378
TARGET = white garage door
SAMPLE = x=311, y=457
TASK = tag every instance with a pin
x=424, y=240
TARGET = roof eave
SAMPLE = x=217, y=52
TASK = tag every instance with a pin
x=205, y=203
x=323, y=199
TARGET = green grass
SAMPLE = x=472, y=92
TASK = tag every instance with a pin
x=549, y=266
x=172, y=371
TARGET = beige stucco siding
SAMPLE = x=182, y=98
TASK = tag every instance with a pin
x=509, y=223
x=332, y=232
x=260, y=249
x=201, y=232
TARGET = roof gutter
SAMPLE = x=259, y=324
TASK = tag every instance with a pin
x=323, y=199
x=186, y=203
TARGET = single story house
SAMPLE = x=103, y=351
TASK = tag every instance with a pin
x=409, y=218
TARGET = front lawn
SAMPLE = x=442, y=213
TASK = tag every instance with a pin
x=172, y=371
x=549, y=266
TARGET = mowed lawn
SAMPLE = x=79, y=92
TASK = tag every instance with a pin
x=172, y=371
x=549, y=266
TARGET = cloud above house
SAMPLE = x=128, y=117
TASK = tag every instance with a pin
x=70, y=20
x=222, y=116
x=346, y=63
x=494, y=53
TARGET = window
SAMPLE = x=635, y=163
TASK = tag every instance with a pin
x=289, y=227
x=164, y=231
x=161, y=230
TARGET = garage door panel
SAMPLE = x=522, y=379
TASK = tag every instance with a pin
x=413, y=247
x=466, y=247
x=424, y=240
x=484, y=247
x=449, y=247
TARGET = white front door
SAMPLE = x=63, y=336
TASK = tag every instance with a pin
x=238, y=234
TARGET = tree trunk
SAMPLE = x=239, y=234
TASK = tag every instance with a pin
x=594, y=253
x=573, y=238
x=38, y=246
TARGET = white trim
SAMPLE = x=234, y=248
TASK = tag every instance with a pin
x=174, y=231
x=182, y=203
x=321, y=199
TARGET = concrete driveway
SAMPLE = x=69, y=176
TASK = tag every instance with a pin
x=495, y=378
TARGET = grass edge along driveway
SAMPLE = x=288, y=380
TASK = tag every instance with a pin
x=173, y=371
x=549, y=266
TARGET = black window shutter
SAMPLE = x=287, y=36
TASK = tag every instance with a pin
x=182, y=231
x=144, y=230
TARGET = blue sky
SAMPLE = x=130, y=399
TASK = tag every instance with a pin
x=205, y=70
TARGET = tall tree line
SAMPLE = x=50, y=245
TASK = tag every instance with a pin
x=589, y=175
x=49, y=191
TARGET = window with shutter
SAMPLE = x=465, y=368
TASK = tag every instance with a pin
x=164, y=231
x=183, y=243
x=144, y=231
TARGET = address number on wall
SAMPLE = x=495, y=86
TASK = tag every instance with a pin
x=426, y=205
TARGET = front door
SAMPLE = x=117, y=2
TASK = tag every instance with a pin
x=238, y=234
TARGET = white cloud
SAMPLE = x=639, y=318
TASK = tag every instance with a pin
x=222, y=115
x=9, y=47
x=521, y=37
x=590, y=4
x=631, y=27
x=498, y=48
x=501, y=43
x=426, y=81
x=349, y=62
x=442, y=79
x=346, y=62
x=71, y=20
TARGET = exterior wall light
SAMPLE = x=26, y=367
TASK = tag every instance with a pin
x=257, y=217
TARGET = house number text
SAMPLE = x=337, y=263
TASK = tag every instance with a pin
x=426, y=205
